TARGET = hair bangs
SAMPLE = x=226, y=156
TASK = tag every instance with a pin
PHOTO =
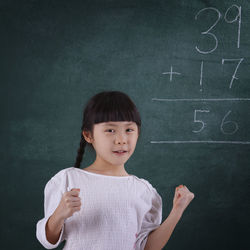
x=116, y=107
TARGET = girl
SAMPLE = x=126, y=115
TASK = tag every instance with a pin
x=102, y=207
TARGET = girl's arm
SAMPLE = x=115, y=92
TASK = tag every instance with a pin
x=70, y=203
x=53, y=227
x=158, y=238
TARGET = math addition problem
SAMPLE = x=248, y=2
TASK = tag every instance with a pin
x=232, y=15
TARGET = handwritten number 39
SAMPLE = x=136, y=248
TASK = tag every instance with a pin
x=209, y=33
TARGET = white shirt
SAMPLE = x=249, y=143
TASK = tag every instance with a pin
x=117, y=212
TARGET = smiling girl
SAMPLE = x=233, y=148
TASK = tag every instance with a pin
x=102, y=207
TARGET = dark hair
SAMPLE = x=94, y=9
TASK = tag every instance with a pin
x=104, y=107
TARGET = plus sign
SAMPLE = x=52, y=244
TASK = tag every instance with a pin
x=171, y=73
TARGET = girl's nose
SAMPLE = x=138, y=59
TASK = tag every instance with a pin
x=120, y=139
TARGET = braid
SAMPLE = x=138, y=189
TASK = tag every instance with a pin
x=80, y=152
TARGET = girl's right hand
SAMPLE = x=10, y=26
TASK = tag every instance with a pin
x=69, y=203
x=182, y=198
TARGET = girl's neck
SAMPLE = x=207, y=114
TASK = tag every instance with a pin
x=106, y=171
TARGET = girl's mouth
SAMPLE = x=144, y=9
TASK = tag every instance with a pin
x=120, y=152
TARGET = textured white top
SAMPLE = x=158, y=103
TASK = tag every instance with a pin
x=117, y=212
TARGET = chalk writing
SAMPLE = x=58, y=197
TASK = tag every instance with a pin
x=238, y=17
x=219, y=15
x=195, y=120
x=171, y=73
x=233, y=76
x=226, y=125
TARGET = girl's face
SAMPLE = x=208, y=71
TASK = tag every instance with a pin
x=113, y=136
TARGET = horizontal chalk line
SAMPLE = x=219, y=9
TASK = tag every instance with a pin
x=218, y=142
x=198, y=99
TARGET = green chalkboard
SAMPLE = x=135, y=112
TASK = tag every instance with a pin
x=186, y=66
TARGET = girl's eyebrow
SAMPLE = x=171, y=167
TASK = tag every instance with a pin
x=114, y=125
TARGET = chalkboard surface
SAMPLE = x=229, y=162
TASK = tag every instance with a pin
x=186, y=66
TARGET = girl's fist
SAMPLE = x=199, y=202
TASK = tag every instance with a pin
x=70, y=203
x=182, y=198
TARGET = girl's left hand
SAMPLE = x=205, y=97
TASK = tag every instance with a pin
x=182, y=198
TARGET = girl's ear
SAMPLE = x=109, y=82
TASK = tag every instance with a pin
x=87, y=136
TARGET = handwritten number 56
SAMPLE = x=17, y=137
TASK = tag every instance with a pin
x=222, y=125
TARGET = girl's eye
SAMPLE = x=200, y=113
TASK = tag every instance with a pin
x=108, y=130
x=113, y=129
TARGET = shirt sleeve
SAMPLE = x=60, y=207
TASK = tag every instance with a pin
x=52, y=198
x=151, y=220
